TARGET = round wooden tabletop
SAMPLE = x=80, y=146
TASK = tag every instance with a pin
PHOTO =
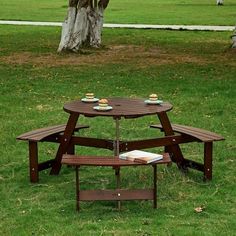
x=121, y=107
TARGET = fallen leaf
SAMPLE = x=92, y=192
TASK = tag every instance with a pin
x=198, y=209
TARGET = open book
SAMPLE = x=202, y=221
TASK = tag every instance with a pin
x=141, y=156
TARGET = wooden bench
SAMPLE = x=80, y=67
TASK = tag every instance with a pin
x=117, y=194
x=198, y=135
x=48, y=134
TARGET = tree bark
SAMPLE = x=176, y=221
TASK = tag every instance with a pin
x=219, y=2
x=83, y=24
x=234, y=39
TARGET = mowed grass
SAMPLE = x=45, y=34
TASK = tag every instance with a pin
x=186, y=12
x=195, y=71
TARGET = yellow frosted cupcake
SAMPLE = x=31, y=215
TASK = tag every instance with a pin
x=153, y=97
x=103, y=104
x=89, y=96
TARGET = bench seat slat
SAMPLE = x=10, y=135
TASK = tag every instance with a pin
x=40, y=134
x=105, y=161
x=200, y=134
x=41, y=130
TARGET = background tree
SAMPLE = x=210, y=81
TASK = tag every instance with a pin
x=234, y=39
x=83, y=24
x=219, y=2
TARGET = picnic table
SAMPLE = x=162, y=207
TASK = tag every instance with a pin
x=175, y=135
x=126, y=108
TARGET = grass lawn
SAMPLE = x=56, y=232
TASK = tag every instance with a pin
x=187, y=12
x=195, y=71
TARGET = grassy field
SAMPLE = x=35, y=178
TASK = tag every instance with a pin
x=195, y=71
x=187, y=12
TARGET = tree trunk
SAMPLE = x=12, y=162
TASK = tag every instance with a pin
x=83, y=24
x=234, y=40
x=219, y=2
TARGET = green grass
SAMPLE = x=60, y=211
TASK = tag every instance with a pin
x=195, y=71
x=191, y=12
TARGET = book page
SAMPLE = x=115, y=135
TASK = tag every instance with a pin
x=139, y=154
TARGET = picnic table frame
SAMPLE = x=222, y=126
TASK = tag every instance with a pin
x=174, y=135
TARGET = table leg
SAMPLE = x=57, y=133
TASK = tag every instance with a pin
x=117, y=140
x=174, y=149
x=65, y=143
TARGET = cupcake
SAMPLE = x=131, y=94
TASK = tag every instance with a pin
x=153, y=97
x=89, y=96
x=103, y=104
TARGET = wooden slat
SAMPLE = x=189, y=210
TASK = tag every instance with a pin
x=92, y=142
x=40, y=134
x=38, y=131
x=118, y=194
x=197, y=131
x=157, y=142
x=200, y=134
x=105, y=161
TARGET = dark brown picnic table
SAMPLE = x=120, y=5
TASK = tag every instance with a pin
x=174, y=135
x=126, y=108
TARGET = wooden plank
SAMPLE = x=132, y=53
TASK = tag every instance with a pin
x=106, y=161
x=118, y=194
x=201, y=134
x=29, y=134
x=40, y=134
x=194, y=130
x=77, y=183
x=154, y=186
x=93, y=142
x=208, y=149
x=64, y=145
x=157, y=142
x=33, y=162
x=175, y=149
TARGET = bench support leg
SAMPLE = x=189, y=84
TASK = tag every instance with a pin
x=117, y=172
x=208, y=160
x=65, y=143
x=173, y=149
x=154, y=186
x=33, y=162
x=77, y=187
